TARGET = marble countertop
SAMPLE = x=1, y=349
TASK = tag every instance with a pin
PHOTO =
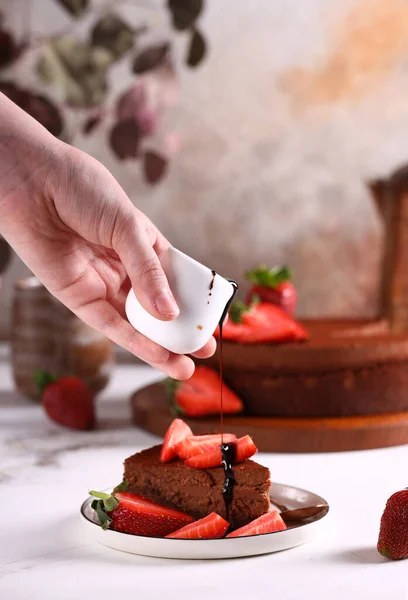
x=46, y=471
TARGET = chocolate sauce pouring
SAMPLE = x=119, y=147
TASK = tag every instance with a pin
x=227, y=450
x=224, y=314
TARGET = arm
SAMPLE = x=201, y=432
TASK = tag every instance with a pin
x=76, y=229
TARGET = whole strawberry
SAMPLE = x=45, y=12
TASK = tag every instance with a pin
x=274, y=286
x=67, y=401
x=130, y=513
x=393, y=538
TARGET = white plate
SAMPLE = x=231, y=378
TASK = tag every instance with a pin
x=265, y=543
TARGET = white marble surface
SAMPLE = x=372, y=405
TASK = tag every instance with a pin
x=45, y=472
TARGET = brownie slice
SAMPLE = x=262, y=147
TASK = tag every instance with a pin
x=198, y=492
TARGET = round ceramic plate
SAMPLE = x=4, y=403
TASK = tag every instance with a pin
x=295, y=535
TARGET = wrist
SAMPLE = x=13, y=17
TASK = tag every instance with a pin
x=25, y=167
x=27, y=152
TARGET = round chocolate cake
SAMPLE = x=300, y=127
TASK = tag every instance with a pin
x=344, y=368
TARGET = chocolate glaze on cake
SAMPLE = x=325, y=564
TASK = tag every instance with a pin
x=199, y=492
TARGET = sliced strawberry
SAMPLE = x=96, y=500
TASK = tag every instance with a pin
x=210, y=527
x=177, y=432
x=244, y=448
x=261, y=323
x=198, y=444
x=130, y=513
x=267, y=523
x=200, y=395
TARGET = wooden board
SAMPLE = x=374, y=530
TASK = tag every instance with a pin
x=151, y=412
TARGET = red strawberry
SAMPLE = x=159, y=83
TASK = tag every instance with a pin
x=177, y=431
x=267, y=523
x=68, y=401
x=198, y=444
x=273, y=285
x=393, y=537
x=200, y=395
x=133, y=514
x=260, y=323
x=210, y=527
x=244, y=448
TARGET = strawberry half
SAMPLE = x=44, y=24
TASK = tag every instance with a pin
x=200, y=395
x=267, y=523
x=175, y=434
x=133, y=514
x=393, y=536
x=260, y=323
x=244, y=448
x=199, y=444
x=274, y=286
x=210, y=527
x=67, y=401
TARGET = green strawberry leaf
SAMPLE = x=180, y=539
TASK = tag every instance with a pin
x=101, y=512
x=176, y=409
x=122, y=487
x=110, y=504
x=237, y=309
x=100, y=495
x=270, y=278
x=103, y=517
x=106, y=503
x=255, y=300
x=171, y=386
x=43, y=380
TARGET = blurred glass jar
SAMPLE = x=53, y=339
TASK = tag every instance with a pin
x=46, y=335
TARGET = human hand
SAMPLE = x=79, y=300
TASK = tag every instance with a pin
x=76, y=229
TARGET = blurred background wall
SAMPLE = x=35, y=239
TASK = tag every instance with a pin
x=295, y=106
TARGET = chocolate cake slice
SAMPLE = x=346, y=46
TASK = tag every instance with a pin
x=198, y=492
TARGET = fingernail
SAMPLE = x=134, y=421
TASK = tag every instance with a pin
x=166, y=305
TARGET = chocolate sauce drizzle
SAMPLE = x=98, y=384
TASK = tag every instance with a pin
x=224, y=314
x=212, y=280
x=212, y=284
x=227, y=450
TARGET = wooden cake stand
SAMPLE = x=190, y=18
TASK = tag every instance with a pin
x=151, y=412
x=345, y=426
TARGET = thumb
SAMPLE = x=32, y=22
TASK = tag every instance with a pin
x=143, y=266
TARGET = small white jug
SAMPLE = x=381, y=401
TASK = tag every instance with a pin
x=202, y=297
